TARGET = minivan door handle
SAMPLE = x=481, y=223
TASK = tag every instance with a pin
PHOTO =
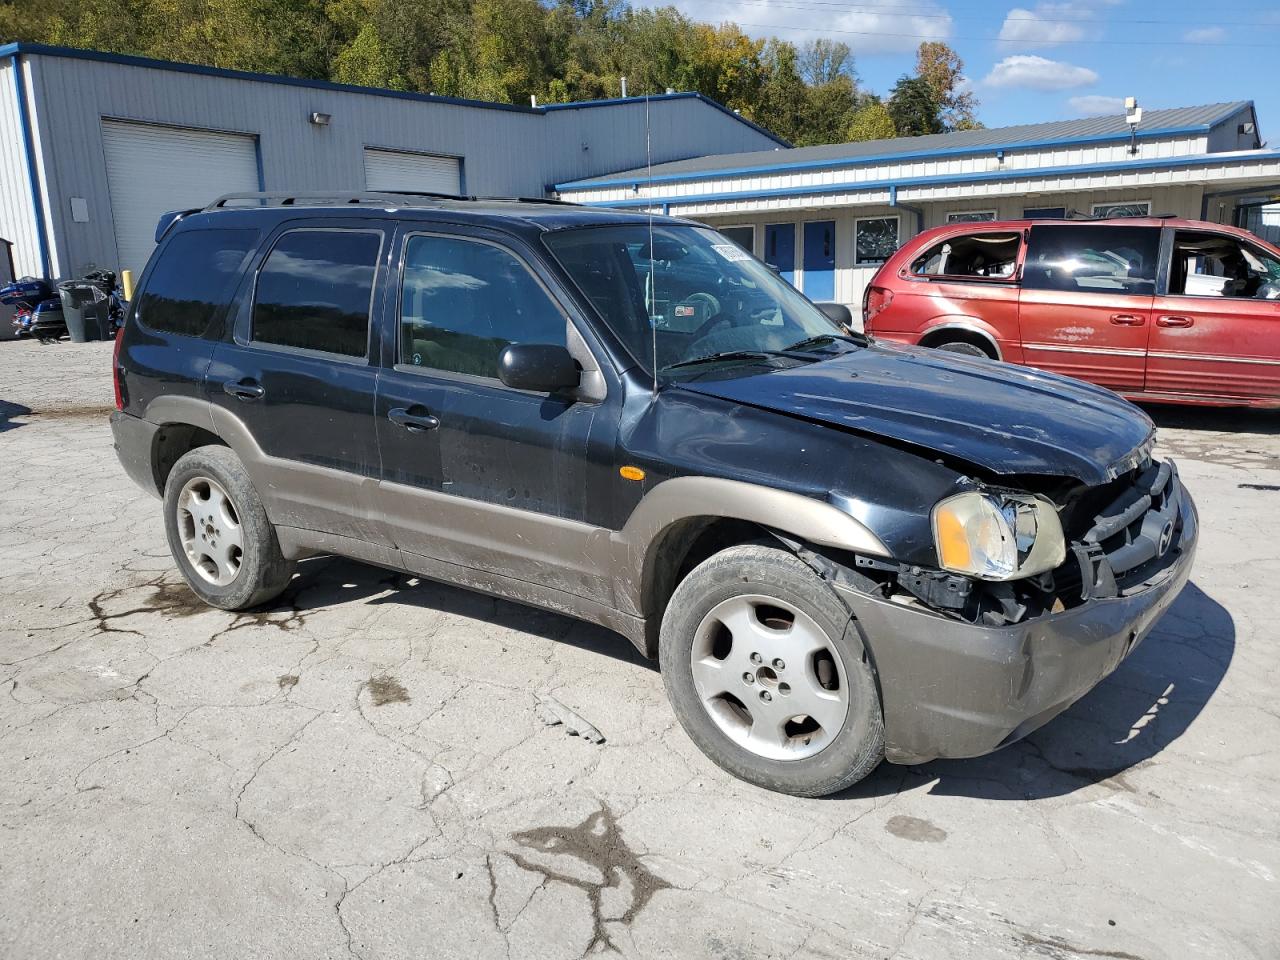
x=1174, y=321
x=1128, y=319
x=414, y=422
x=244, y=389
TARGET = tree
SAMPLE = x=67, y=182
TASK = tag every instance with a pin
x=783, y=95
x=871, y=122
x=822, y=61
x=913, y=108
x=943, y=70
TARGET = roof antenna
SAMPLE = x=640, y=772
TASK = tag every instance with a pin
x=651, y=293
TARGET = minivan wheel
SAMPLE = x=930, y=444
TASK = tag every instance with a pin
x=768, y=676
x=964, y=348
x=219, y=533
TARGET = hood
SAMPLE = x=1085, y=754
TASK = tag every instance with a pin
x=1003, y=418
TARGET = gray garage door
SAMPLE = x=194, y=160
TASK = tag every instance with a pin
x=153, y=169
x=393, y=170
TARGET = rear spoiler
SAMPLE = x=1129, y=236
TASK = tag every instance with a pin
x=167, y=220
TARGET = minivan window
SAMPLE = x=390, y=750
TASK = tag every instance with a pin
x=1215, y=265
x=462, y=301
x=984, y=256
x=193, y=278
x=1092, y=259
x=315, y=290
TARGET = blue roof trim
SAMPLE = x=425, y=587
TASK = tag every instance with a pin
x=1207, y=159
x=682, y=95
x=129, y=60
x=874, y=159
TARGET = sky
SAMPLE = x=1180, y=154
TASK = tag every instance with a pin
x=1030, y=62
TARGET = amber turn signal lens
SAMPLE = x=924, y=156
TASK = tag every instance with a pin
x=631, y=473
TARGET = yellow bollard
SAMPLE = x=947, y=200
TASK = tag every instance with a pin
x=126, y=284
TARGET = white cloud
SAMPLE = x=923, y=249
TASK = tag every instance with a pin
x=897, y=26
x=1043, y=26
x=1205, y=35
x=1038, y=73
x=1096, y=105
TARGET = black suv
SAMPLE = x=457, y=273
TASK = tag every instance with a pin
x=839, y=551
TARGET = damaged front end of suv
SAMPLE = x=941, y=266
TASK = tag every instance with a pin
x=1030, y=540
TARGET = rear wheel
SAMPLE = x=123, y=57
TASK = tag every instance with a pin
x=964, y=348
x=219, y=533
x=768, y=676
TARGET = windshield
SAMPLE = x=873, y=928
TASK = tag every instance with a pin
x=689, y=290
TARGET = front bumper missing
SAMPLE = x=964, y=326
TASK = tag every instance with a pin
x=954, y=689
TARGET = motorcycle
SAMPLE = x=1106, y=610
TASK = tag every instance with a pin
x=37, y=308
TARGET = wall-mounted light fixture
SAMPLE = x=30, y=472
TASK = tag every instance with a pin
x=1133, y=117
x=320, y=119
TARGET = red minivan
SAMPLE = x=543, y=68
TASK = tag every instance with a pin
x=1157, y=309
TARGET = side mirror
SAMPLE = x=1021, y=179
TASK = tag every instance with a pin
x=837, y=313
x=540, y=367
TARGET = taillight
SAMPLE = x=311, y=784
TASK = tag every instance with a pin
x=115, y=369
x=874, y=301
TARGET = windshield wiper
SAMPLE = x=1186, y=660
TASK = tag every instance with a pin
x=738, y=355
x=857, y=341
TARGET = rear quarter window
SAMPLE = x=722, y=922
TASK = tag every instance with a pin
x=193, y=279
x=974, y=256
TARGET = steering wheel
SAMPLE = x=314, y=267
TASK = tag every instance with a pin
x=714, y=317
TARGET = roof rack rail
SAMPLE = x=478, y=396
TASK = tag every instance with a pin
x=294, y=198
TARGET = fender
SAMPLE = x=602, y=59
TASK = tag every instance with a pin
x=637, y=545
x=969, y=325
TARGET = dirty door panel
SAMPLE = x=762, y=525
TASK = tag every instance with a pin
x=473, y=472
x=1086, y=299
x=296, y=376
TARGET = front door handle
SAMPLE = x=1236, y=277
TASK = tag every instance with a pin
x=244, y=389
x=1128, y=319
x=1174, y=322
x=413, y=422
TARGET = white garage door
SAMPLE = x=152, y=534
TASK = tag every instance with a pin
x=153, y=169
x=391, y=170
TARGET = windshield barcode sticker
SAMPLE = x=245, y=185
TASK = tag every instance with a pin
x=731, y=252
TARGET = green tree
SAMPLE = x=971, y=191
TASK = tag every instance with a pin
x=871, y=122
x=941, y=67
x=822, y=61
x=783, y=94
x=913, y=108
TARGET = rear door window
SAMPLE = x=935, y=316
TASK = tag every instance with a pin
x=315, y=290
x=193, y=279
x=973, y=256
x=463, y=301
x=1092, y=259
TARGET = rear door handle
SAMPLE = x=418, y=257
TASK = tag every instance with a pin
x=1128, y=319
x=414, y=422
x=1174, y=322
x=244, y=389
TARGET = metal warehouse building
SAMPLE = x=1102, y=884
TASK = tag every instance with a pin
x=94, y=147
x=828, y=216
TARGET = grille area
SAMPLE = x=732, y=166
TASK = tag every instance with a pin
x=1129, y=537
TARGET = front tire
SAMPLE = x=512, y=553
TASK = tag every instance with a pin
x=767, y=674
x=219, y=533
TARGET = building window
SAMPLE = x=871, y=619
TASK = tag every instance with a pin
x=745, y=237
x=1045, y=213
x=971, y=216
x=874, y=240
x=1133, y=208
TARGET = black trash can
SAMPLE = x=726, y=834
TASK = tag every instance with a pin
x=86, y=310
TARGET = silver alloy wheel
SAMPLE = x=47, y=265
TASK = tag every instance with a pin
x=769, y=677
x=210, y=531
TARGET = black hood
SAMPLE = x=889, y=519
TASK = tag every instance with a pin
x=1002, y=418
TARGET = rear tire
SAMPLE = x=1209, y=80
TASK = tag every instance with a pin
x=767, y=673
x=964, y=348
x=219, y=533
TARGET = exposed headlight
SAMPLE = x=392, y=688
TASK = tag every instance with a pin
x=997, y=536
